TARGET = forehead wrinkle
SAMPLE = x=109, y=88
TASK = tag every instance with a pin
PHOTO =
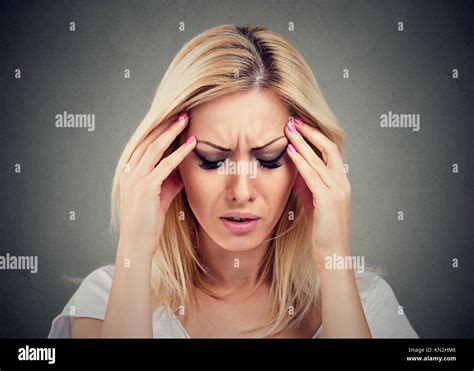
x=223, y=131
x=262, y=148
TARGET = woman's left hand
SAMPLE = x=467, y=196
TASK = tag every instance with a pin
x=322, y=187
x=324, y=190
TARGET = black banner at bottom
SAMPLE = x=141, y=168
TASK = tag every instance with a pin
x=292, y=354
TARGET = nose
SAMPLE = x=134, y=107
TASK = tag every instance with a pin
x=240, y=188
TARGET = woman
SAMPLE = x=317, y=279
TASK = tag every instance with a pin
x=207, y=249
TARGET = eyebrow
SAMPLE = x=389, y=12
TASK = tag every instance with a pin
x=228, y=149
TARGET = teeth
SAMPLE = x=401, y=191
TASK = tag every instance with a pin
x=237, y=219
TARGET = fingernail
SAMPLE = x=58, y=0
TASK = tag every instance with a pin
x=190, y=139
x=181, y=118
x=298, y=121
x=292, y=148
x=291, y=127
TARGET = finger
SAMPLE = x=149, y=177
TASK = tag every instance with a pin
x=304, y=194
x=141, y=148
x=171, y=187
x=327, y=147
x=155, y=149
x=169, y=163
x=310, y=176
x=308, y=154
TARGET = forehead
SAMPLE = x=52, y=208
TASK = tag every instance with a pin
x=259, y=113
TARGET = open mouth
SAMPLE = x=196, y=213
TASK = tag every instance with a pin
x=239, y=220
x=238, y=225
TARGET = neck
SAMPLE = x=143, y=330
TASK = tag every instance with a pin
x=231, y=270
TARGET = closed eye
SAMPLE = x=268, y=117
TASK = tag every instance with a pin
x=211, y=165
x=268, y=164
x=274, y=163
x=207, y=164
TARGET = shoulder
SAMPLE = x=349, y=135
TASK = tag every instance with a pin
x=371, y=285
x=385, y=315
x=95, y=287
x=89, y=300
x=99, y=278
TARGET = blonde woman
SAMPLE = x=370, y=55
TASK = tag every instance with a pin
x=211, y=249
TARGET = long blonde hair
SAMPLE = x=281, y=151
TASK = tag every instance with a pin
x=222, y=60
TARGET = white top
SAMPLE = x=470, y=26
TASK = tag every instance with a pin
x=380, y=305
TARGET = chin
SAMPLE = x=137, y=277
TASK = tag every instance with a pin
x=238, y=247
x=238, y=243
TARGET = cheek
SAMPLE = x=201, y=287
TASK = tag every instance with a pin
x=277, y=188
x=277, y=183
x=191, y=177
x=198, y=185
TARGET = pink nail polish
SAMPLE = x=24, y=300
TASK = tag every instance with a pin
x=292, y=148
x=298, y=121
x=291, y=127
x=190, y=139
x=182, y=116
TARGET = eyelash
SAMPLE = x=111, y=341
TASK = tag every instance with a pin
x=212, y=165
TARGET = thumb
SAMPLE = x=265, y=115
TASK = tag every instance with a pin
x=170, y=188
x=304, y=194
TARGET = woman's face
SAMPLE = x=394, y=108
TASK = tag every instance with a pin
x=249, y=180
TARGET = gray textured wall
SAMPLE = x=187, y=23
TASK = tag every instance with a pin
x=391, y=169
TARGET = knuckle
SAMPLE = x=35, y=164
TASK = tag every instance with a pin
x=156, y=147
x=316, y=160
x=155, y=184
x=165, y=162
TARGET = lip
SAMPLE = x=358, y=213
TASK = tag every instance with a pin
x=240, y=215
x=240, y=228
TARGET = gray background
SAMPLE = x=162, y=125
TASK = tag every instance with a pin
x=390, y=169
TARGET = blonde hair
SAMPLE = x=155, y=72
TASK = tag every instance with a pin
x=222, y=60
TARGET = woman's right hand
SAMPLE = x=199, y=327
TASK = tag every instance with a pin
x=149, y=184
